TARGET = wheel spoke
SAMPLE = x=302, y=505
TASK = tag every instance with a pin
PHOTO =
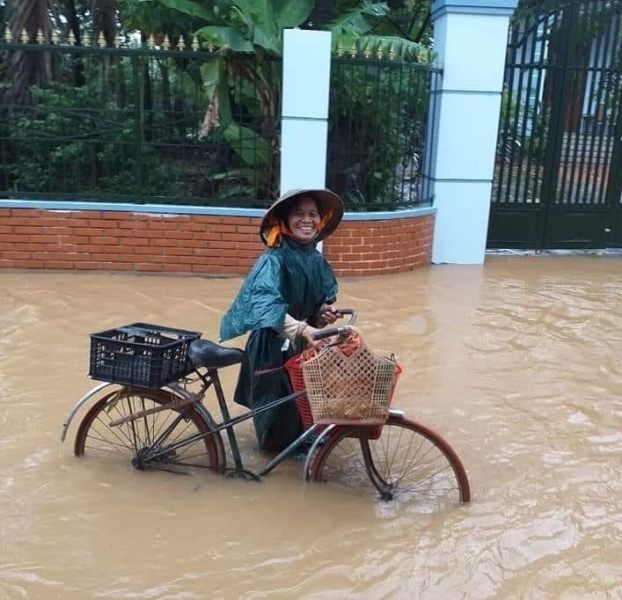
x=407, y=461
x=147, y=439
x=104, y=430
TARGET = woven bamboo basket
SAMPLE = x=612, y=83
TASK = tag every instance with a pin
x=349, y=383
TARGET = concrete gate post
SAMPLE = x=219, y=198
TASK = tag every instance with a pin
x=304, y=121
x=470, y=38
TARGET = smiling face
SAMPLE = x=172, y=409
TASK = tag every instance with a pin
x=303, y=220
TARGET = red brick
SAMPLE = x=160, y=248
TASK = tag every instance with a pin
x=15, y=238
x=207, y=219
x=208, y=236
x=223, y=245
x=58, y=264
x=115, y=215
x=123, y=266
x=27, y=212
x=88, y=264
x=163, y=242
x=133, y=241
x=157, y=225
x=206, y=252
x=102, y=224
x=192, y=260
x=191, y=226
x=178, y=235
x=76, y=222
x=142, y=250
x=104, y=239
x=28, y=264
x=236, y=221
x=148, y=267
x=95, y=231
x=221, y=228
x=173, y=268
x=64, y=256
x=192, y=244
x=247, y=229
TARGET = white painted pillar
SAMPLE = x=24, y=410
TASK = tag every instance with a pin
x=304, y=121
x=470, y=38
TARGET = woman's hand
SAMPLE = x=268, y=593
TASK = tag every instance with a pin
x=328, y=315
x=307, y=334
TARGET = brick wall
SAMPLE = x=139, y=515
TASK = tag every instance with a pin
x=191, y=243
x=382, y=246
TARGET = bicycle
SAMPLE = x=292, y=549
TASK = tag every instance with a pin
x=165, y=423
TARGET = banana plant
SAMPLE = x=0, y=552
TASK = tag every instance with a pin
x=247, y=35
x=241, y=29
x=244, y=27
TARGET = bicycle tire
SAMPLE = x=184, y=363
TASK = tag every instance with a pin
x=136, y=438
x=415, y=462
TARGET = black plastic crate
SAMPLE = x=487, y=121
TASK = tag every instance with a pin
x=141, y=355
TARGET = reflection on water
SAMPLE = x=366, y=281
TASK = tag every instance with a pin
x=517, y=363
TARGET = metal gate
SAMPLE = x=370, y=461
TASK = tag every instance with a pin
x=558, y=171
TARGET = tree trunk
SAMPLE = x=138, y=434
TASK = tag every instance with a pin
x=29, y=68
x=74, y=26
x=323, y=12
x=105, y=19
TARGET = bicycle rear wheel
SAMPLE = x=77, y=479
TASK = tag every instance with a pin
x=408, y=462
x=145, y=438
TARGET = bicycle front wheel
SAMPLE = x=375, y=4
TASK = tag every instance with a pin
x=407, y=461
x=145, y=428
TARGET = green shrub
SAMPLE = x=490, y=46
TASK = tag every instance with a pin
x=68, y=143
x=375, y=134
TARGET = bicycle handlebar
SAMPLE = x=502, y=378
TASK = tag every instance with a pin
x=348, y=311
x=331, y=331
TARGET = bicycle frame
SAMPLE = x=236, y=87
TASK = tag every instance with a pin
x=208, y=378
x=211, y=377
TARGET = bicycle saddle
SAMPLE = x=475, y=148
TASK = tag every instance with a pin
x=204, y=353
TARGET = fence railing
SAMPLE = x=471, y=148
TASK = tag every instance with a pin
x=140, y=124
x=188, y=126
x=378, y=132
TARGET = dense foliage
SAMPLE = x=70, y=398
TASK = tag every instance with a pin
x=204, y=129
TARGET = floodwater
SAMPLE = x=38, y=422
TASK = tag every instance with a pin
x=517, y=363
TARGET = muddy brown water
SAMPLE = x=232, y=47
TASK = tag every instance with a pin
x=517, y=363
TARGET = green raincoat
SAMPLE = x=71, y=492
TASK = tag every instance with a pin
x=295, y=279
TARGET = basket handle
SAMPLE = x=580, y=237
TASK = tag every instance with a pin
x=144, y=332
x=136, y=331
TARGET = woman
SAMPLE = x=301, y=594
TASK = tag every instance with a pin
x=286, y=297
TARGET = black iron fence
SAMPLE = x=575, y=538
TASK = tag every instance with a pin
x=183, y=125
x=141, y=124
x=558, y=176
x=379, y=125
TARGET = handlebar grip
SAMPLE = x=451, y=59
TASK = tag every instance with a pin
x=324, y=333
